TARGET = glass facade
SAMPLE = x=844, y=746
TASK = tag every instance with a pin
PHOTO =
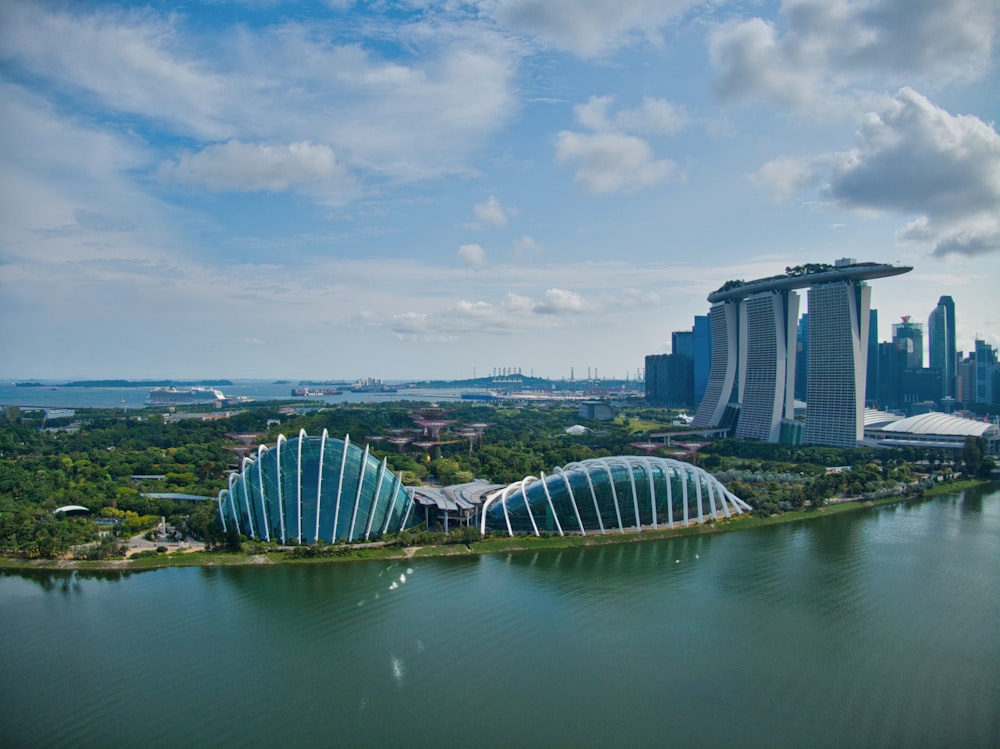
x=314, y=489
x=610, y=495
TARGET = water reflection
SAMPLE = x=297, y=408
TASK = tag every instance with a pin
x=68, y=581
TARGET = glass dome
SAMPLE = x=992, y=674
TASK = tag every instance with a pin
x=314, y=489
x=607, y=495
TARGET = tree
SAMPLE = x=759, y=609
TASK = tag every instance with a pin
x=973, y=455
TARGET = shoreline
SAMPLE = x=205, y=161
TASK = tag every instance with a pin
x=489, y=546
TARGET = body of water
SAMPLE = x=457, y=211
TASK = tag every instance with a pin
x=57, y=395
x=875, y=628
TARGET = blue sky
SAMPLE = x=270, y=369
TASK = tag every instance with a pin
x=430, y=189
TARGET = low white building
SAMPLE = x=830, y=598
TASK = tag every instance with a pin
x=933, y=430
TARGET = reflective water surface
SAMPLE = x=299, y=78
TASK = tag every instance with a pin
x=877, y=628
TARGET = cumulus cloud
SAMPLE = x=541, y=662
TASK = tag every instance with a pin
x=490, y=212
x=514, y=314
x=587, y=27
x=913, y=158
x=610, y=158
x=417, y=116
x=822, y=46
x=472, y=255
x=250, y=167
x=525, y=248
x=610, y=162
x=785, y=176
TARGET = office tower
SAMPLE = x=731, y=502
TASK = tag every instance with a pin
x=801, y=358
x=838, y=352
x=941, y=344
x=682, y=342
x=986, y=362
x=702, y=355
x=890, y=377
x=871, y=380
x=669, y=380
x=767, y=379
x=965, y=379
x=909, y=337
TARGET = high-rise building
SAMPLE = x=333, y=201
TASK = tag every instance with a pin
x=871, y=380
x=702, y=355
x=682, y=342
x=909, y=337
x=767, y=348
x=965, y=381
x=802, y=358
x=669, y=380
x=751, y=382
x=986, y=363
x=721, y=389
x=838, y=354
x=941, y=344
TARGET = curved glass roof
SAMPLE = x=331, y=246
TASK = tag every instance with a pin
x=610, y=495
x=942, y=424
x=314, y=489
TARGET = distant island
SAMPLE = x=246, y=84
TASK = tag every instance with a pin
x=144, y=383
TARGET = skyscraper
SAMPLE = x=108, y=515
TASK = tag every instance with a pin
x=702, y=355
x=986, y=362
x=838, y=353
x=751, y=383
x=767, y=380
x=941, y=344
x=872, y=379
x=909, y=337
x=721, y=388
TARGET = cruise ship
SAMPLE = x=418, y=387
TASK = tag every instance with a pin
x=185, y=396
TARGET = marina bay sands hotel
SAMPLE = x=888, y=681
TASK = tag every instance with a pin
x=752, y=377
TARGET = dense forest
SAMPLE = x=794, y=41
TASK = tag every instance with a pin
x=107, y=461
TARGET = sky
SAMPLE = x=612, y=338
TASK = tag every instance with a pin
x=418, y=189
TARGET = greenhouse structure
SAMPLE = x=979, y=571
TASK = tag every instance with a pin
x=321, y=489
x=310, y=489
x=607, y=495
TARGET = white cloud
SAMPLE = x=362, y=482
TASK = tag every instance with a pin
x=610, y=162
x=560, y=301
x=587, y=27
x=822, y=47
x=785, y=176
x=249, y=167
x=654, y=117
x=611, y=159
x=472, y=255
x=515, y=314
x=525, y=248
x=414, y=117
x=490, y=212
x=912, y=158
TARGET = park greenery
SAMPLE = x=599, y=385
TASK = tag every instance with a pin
x=109, y=462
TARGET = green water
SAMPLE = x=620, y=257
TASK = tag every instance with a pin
x=877, y=628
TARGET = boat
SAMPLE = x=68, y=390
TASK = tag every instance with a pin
x=185, y=396
x=314, y=392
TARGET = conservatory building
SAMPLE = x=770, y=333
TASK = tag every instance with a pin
x=610, y=495
x=321, y=489
x=310, y=489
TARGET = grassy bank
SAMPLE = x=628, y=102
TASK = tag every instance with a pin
x=486, y=546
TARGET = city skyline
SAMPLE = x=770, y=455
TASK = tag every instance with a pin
x=424, y=190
